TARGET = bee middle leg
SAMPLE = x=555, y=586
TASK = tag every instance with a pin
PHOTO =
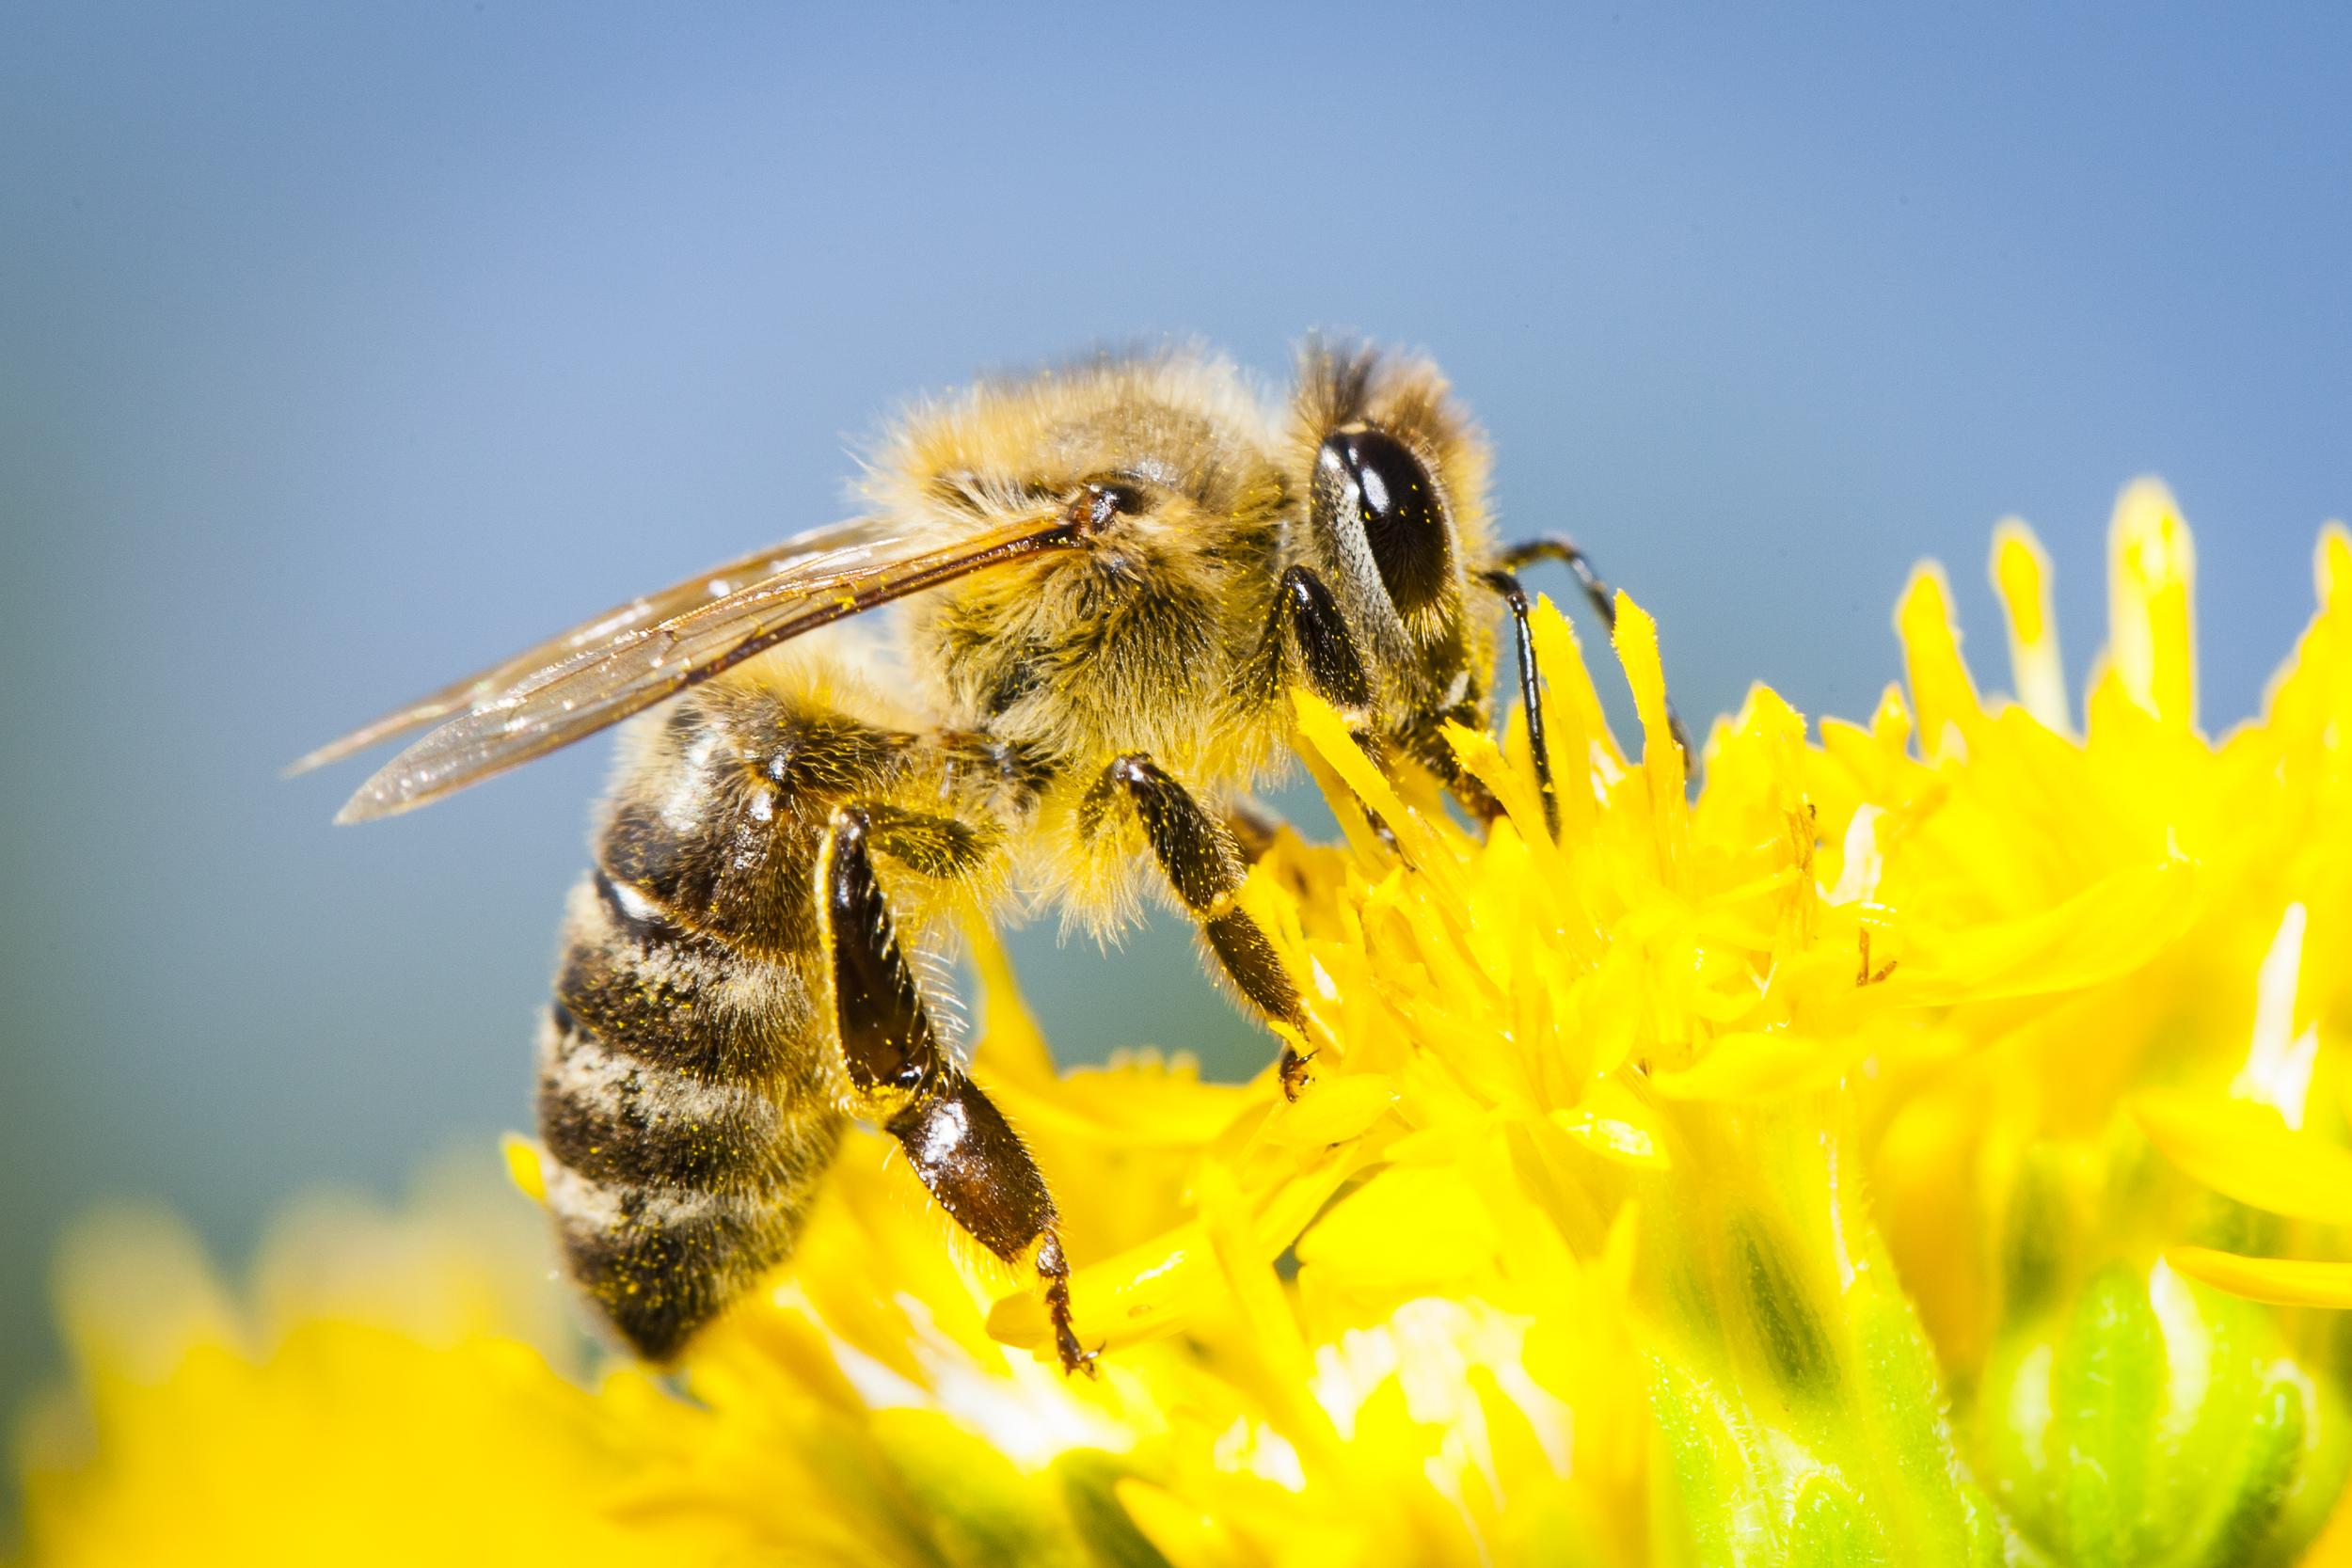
x=903, y=1076
x=1204, y=863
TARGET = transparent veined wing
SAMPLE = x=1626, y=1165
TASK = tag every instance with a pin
x=595, y=636
x=616, y=665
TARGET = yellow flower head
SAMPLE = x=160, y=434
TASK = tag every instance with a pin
x=1836, y=1165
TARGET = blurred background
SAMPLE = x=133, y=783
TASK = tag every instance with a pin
x=343, y=349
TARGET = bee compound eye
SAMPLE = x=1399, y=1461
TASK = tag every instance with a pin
x=1397, y=505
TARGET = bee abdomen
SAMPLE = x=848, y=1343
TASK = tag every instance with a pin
x=660, y=1263
x=612, y=1116
x=686, y=1147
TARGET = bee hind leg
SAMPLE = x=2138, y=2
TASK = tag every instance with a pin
x=1204, y=863
x=903, y=1077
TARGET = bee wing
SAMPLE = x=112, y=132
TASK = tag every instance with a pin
x=596, y=636
x=588, y=679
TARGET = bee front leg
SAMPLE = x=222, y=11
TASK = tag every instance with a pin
x=1559, y=548
x=904, y=1079
x=1531, y=691
x=1203, y=862
x=1307, y=635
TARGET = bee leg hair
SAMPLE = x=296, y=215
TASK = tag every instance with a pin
x=1204, y=864
x=903, y=1077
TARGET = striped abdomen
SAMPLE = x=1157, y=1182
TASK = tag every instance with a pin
x=687, y=1093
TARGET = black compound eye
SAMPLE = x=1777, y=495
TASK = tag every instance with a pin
x=1397, y=503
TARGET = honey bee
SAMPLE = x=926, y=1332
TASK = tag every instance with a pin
x=1106, y=579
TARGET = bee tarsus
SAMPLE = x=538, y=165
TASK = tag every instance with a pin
x=1203, y=863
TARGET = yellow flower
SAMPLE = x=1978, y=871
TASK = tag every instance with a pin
x=1833, y=1168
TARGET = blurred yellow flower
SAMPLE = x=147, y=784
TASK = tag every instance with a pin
x=1927, y=1144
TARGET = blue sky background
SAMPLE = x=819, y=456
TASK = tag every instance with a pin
x=344, y=348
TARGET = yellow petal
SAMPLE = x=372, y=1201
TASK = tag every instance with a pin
x=1611, y=1137
x=1327, y=732
x=1011, y=1042
x=2244, y=1149
x=1611, y=1120
x=2280, y=1281
x=2151, y=609
x=2331, y=564
x=1130, y=1297
x=1636, y=637
x=2103, y=932
x=1941, y=689
x=1522, y=803
x=1150, y=1290
x=1891, y=723
x=135, y=1291
x=1332, y=1111
x=1135, y=1100
x=524, y=1167
x=1751, y=1065
x=1407, y=1229
x=2021, y=575
x=1581, y=738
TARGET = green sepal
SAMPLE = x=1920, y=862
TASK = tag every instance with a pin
x=2106, y=1389
x=1828, y=1528
x=1950, y=1518
x=2152, y=1421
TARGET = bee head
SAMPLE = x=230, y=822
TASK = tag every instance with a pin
x=1395, y=488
